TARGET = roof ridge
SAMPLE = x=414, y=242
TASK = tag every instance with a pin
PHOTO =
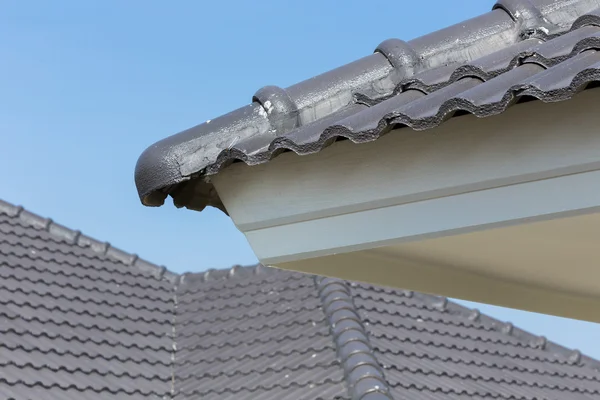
x=291, y=111
x=530, y=53
x=538, y=341
x=75, y=237
x=362, y=371
x=236, y=271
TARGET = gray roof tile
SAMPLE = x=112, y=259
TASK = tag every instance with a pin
x=542, y=49
x=264, y=332
x=81, y=320
x=75, y=321
x=474, y=357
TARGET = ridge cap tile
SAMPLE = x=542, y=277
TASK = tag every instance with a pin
x=234, y=273
x=363, y=374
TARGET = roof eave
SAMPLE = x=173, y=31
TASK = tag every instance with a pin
x=257, y=132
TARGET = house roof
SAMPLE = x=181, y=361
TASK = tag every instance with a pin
x=80, y=319
x=521, y=50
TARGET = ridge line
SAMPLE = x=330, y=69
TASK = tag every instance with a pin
x=362, y=372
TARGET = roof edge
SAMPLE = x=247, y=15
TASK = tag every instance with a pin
x=174, y=165
x=75, y=237
x=538, y=341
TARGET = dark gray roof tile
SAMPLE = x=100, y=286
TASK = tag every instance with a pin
x=491, y=96
x=564, y=79
x=562, y=47
x=368, y=120
x=68, y=362
x=328, y=391
x=515, y=388
x=271, y=336
x=325, y=94
x=23, y=391
x=124, y=383
x=362, y=100
x=309, y=133
x=78, y=319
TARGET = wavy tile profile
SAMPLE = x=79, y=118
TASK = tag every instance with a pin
x=80, y=319
x=547, y=50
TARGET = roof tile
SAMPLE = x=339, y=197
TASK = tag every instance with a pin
x=75, y=321
x=79, y=320
x=480, y=66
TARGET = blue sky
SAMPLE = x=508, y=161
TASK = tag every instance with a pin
x=86, y=86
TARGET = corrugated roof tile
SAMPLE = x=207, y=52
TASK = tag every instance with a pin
x=78, y=320
x=475, y=66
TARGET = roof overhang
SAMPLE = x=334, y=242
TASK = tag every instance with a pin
x=502, y=210
x=547, y=49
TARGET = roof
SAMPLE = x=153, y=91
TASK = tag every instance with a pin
x=521, y=50
x=80, y=319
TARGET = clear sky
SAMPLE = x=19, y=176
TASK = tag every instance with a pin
x=86, y=86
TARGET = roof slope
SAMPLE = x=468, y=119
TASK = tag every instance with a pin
x=522, y=49
x=254, y=333
x=80, y=319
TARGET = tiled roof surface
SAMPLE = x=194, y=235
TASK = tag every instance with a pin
x=259, y=335
x=521, y=50
x=430, y=348
x=80, y=319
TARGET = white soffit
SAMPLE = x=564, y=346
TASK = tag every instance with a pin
x=511, y=267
